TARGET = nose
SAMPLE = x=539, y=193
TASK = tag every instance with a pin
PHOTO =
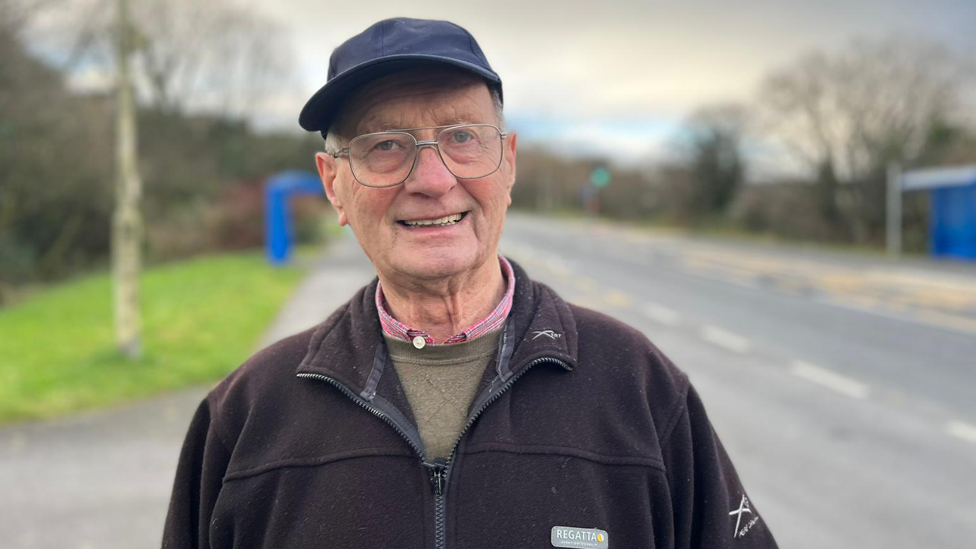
x=430, y=176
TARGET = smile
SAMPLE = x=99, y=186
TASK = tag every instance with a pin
x=439, y=222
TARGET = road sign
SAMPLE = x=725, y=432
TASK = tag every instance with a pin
x=600, y=177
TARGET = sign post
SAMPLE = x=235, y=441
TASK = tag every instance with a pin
x=893, y=221
x=599, y=179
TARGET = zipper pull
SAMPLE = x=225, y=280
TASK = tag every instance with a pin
x=436, y=472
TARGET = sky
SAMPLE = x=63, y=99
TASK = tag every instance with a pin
x=615, y=77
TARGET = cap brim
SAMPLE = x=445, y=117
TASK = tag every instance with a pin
x=321, y=109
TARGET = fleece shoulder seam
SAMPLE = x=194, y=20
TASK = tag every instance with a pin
x=220, y=433
x=677, y=410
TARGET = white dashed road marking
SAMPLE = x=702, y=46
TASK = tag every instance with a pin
x=661, y=315
x=963, y=430
x=727, y=340
x=831, y=380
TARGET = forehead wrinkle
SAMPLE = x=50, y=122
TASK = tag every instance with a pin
x=453, y=102
x=431, y=114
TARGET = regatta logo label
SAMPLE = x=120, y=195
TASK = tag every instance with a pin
x=743, y=508
x=548, y=333
x=579, y=538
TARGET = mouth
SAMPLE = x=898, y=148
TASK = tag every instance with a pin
x=445, y=221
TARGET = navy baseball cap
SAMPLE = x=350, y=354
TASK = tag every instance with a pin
x=388, y=46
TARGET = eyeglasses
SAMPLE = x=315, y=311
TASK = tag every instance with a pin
x=386, y=159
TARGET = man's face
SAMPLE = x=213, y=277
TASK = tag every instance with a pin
x=420, y=99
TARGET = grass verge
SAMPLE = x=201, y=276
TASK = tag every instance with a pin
x=201, y=319
x=723, y=230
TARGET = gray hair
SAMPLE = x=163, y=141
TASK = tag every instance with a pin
x=333, y=141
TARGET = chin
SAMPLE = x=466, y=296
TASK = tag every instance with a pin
x=435, y=264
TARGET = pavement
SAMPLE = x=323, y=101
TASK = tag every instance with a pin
x=102, y=480
x=841, y=386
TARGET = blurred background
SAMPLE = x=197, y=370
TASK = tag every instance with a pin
x=722, y=176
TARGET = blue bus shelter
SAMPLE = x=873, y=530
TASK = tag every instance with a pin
x=952, y=208
x=279, y=230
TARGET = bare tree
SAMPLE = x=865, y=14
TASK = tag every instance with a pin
x=127, y=228
x=711, y=150
x=52, y=220
x=15, y=15
x=213, y=56
x=847, y=114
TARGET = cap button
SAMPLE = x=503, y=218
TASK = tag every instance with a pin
x=419, y=342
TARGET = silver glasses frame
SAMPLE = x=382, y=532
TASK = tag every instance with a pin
x=420, y=145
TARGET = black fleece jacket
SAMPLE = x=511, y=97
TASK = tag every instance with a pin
x=579, y=427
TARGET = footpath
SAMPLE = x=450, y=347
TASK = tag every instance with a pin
x=101, y=480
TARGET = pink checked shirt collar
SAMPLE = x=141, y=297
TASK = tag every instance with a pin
x=396, y=329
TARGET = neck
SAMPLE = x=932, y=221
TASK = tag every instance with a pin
x=444, y=308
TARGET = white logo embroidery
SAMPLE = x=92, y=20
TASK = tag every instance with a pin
x=548, y=333
x=743, y=508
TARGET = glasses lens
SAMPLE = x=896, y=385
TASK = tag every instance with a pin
x=382, y=159
x=471, y=151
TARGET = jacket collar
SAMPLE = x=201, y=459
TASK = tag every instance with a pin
x=348, y=345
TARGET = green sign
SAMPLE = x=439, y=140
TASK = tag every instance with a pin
x=600, y=177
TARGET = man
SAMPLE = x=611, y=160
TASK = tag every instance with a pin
x=453, y=402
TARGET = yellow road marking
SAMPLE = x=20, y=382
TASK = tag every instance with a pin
x=585, y=284
x=946, y=320
x=618, y=299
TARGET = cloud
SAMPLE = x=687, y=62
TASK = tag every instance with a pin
x=91, y=78
x=631, y=141
x=618, y=75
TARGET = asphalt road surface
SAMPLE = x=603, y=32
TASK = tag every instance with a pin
x=844, y=389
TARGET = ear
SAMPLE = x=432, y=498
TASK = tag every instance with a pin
x=511, y=147
x=328, y=167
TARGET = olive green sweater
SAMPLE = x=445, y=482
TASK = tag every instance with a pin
x=440, y=382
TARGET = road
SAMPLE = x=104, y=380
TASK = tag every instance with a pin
x=844, y=388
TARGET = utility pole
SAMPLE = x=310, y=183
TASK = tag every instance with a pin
x=893, y=211
x=126, y=221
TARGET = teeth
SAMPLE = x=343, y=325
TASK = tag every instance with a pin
x=446, y=220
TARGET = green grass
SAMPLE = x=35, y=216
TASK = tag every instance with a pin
x=201, y=319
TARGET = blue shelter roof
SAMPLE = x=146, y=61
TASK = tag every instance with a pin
x=935, y=178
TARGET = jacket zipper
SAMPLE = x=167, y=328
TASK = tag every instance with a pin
x=362, y=402
x=439, y=469
x=438, y=480
x=440, y=492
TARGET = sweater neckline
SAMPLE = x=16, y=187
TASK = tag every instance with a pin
x=405, y=350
